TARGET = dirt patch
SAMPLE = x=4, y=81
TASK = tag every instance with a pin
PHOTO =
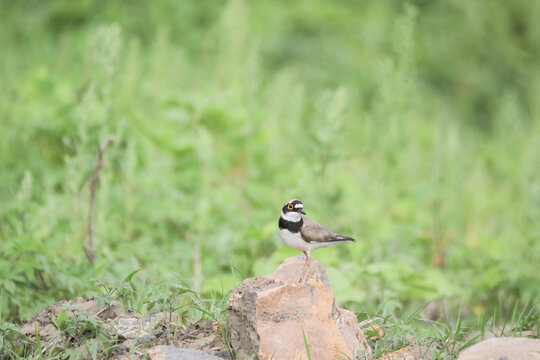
x=202, y=335
x=86, y=327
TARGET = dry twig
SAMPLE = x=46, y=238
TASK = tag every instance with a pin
x=89, y=248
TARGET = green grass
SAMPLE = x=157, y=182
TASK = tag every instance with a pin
x=443, y=339
x=398, y=124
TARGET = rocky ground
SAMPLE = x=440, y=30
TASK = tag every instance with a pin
x=87, y=328
x=84, y=329
x=264, y=317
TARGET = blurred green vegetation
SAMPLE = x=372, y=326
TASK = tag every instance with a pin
x=414, y=127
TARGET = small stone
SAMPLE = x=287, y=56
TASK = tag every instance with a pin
x=113, y=310
x=133, y=328
x=165, y=317
x=503, y=348
x=167, y=352
x=144, y=339
x=128, y=328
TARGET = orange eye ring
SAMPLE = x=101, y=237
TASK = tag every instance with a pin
x=290, y=206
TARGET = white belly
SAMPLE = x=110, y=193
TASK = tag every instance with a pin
x=294, y=240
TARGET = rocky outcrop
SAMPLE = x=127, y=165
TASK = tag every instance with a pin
x=504, y=348
x=273, y=316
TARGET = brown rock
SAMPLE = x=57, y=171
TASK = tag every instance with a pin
x=504, y=348
x=113, y=310
x=268, y=315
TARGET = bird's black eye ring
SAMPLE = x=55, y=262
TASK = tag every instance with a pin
x=290, y=206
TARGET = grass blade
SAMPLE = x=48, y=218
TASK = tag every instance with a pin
x=306, y=344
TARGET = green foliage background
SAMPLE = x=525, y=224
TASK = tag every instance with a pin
x=414, y=127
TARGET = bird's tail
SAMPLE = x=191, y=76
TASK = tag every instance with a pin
x=342, y=238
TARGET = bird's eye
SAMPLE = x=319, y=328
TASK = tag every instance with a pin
x=290, y=206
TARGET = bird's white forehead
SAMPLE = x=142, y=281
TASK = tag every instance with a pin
x=299, y=205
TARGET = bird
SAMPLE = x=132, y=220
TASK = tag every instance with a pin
x=302, y=233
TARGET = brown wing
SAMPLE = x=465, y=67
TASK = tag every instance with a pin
x=314, y=232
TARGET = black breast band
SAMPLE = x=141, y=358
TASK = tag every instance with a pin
x=292, y=226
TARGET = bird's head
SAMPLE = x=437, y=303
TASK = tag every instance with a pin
x=292, y=210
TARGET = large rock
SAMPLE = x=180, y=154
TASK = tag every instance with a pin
x=268, y=316
x=505, y=348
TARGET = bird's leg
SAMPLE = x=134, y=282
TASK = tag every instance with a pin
x=303, y=270
x=306, y=266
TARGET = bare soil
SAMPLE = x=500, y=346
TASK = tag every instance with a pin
x=118, y=332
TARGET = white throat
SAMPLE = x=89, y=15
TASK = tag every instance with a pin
x=291, y=216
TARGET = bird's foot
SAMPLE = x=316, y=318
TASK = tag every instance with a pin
x=305, y=269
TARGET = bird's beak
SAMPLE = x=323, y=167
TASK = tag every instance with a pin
x=301, y=211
